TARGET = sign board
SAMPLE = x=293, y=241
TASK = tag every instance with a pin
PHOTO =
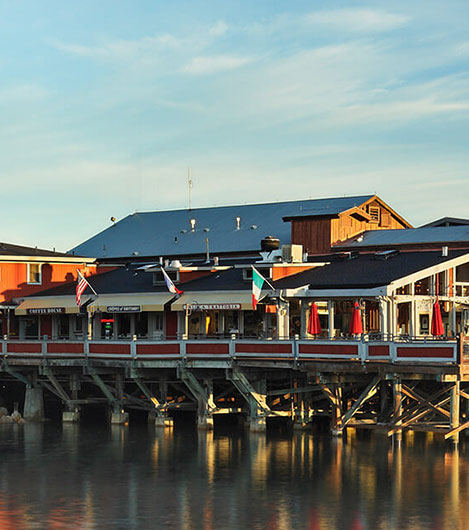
x=212, y=307
x=123, y=308
x=45, y=310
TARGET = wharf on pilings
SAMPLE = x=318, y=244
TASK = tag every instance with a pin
x=390, y=387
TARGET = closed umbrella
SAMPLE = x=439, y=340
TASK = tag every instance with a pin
x=314, y=326
x=437, y=321
x=356, y=326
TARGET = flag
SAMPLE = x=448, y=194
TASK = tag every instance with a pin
x=169, y=283
x=257, y=283
x=82, y=284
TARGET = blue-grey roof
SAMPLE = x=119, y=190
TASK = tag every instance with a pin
x=409, y=236
x=168, y=233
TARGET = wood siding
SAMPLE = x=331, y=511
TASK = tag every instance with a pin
x=313, y=234
x=318, y=235
x=14, y=278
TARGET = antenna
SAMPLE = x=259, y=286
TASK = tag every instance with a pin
x=189, y=184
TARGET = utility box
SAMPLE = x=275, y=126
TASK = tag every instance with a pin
x=292, y=253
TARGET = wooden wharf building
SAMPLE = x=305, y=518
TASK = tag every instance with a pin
x=208, y=351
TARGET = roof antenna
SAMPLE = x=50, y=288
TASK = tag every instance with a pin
x=189, y=184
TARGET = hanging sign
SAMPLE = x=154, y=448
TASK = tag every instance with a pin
x=123, y=308
x=45, y=310
x=212, y=307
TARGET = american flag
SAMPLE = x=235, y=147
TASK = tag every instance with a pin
x=81, y=286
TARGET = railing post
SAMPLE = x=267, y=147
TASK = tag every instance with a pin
x=393, y=351
x=295, y=348
x=86, y=347
x=232, y=346
x=133, y=347
x=182, y=346
x=44, y=346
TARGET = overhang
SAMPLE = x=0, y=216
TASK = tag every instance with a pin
x=217, y=301
x=48, y=305
x=131, y=303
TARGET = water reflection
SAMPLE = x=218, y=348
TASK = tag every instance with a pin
x=138, y=477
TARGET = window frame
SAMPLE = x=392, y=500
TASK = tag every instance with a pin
x=28, y=274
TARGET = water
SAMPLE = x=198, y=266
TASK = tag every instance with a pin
x=98, y=477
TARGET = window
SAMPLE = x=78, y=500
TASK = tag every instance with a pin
x=158, y=278
x=34, y=273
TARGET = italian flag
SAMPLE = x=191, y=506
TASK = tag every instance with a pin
x=257, y=283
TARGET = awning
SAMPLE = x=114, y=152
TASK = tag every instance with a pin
x=214, y=301
x=131, y=303
x=47, y=305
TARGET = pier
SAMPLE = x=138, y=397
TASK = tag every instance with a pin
x=387, y=386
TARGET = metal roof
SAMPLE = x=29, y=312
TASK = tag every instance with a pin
x=409, y=236
x=169, y=233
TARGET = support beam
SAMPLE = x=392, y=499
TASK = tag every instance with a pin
x=334, y=395
x=455, y=405
x=397, y=392
x=204, y=396
x=255, y=398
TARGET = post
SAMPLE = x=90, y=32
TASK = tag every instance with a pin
x=330, y=318
x=455, y=406
x=336, y=417
x=397, y=389
x=90, y=323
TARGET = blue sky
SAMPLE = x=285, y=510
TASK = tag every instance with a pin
x=104, y=105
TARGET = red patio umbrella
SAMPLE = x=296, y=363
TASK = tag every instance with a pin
x=437, y=321
x=314, y=326
x=356, y=326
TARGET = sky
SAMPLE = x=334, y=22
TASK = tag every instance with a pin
x=105, y=105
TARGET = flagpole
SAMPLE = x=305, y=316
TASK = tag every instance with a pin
x=87, y=282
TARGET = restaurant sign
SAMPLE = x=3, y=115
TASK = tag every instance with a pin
x=45, y=310
x=123, y=308
x=212, y=307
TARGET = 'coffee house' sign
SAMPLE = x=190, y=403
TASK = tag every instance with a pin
x=45, y=310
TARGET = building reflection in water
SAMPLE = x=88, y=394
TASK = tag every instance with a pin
x=140, y=477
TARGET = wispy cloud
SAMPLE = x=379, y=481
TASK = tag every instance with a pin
x=23, y=92
x=357, y=19
x=120, y=49
x=216, y=63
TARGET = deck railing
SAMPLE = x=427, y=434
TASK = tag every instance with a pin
x=298, y=350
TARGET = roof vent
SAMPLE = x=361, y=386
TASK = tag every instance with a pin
x=253, y=227
x=346, y=256
x=175, y=264
x=207, y=229
x=216, y=261
x=386, y=254
x=270, y=243
x=192, y=222
x=238, y=223
x=135, y=253
x=444, y=251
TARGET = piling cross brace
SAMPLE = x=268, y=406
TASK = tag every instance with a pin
x=204, y=398
x=5, y=367
x=255, y=399
x=367, y=394
x=160, y=408
x=116, y=404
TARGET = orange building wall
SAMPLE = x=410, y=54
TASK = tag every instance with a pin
x=14, y=281
x=283, y=272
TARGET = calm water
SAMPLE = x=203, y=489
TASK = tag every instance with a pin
x=115, y=477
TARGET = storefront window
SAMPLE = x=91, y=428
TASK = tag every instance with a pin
x=124, y=326
x=31, y=328
x=194, y=321
x=63, y=327
x=231, y=322
x=141, y=324
x=253, y=325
